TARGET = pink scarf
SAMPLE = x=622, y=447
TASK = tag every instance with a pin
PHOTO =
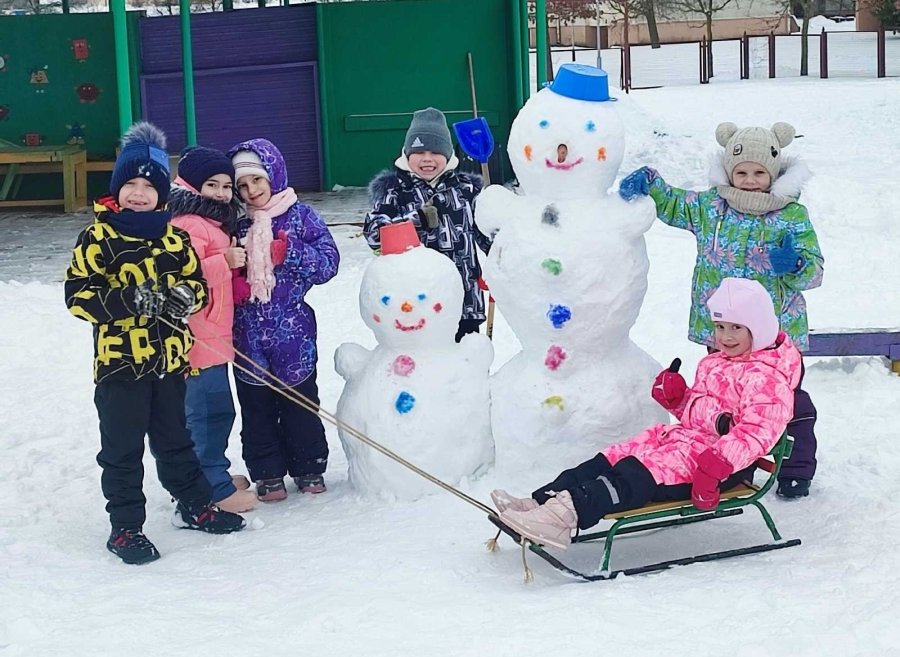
x=260, y=270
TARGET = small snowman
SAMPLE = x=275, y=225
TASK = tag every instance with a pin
x=418, y=393
x=568, y=269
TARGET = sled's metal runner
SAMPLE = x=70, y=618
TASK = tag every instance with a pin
x=670, y=514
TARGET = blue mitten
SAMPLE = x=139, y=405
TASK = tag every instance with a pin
x=636, y=183
x=785, y=259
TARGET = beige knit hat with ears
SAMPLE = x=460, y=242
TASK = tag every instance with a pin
x=755, y=144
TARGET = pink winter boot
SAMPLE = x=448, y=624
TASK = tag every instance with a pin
x=549, y=524
x=503, y=501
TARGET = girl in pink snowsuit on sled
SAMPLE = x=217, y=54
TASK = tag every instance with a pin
x=738, y=407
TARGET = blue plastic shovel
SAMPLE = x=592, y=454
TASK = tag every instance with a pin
x=475, y=138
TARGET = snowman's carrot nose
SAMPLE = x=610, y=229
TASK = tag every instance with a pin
x=406, y=307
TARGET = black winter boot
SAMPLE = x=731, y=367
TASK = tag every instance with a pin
x=206, y=517
x=792, y=488
x=131, y=546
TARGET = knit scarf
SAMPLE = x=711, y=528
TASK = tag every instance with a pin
x=753, y=202
x=260, y=270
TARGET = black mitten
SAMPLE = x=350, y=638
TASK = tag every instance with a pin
x=180, y=302
x=147, y=301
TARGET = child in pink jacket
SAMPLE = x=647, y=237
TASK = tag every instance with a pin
x=202, y=203
x=738, y=407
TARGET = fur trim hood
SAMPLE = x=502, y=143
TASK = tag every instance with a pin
x=383, y=181
x=793, y=176
x=184, y=201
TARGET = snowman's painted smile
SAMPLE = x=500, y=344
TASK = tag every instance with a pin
x=562, y=166
x=409, y=327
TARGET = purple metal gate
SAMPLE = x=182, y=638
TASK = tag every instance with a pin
x=255, y=75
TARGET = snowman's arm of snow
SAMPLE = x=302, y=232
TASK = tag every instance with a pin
x=478, y=350
x=682, y=208
x=350, y=359
x=496, y=206
x=634, y=218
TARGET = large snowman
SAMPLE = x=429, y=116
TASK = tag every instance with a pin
x=418, y=393
x=568, y=270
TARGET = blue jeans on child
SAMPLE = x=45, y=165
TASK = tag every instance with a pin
x=210, y=417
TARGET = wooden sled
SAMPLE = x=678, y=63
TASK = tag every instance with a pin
x=657, y=515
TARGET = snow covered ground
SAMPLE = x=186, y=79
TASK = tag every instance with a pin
x=338, y=575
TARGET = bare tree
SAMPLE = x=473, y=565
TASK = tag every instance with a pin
x=808, y=8
x=567, y=11
x=708, y=8
x=649, y=10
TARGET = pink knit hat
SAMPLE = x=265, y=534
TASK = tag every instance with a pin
x=746, y=302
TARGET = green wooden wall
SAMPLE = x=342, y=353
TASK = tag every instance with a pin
x=63, y=110
x=380, y=61
x=43, y=44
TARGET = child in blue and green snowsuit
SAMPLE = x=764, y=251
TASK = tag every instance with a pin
x=750, y=225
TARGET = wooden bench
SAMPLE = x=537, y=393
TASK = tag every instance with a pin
x=70, y=159
x=13, y=173
x=862, y=342
x=657, y=515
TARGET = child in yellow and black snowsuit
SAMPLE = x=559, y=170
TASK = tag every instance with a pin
x=136, y=278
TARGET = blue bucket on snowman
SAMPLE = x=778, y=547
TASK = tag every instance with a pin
x=581, y=82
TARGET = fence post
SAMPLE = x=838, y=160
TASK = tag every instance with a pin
x=745, y=57
x=704, y=62
x=880, y=41
x=626, y=68
x=823, y=54
x=771, y=54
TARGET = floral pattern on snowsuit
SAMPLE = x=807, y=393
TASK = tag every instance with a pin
x=279, y=337
x=733, y=243
x=757, y=389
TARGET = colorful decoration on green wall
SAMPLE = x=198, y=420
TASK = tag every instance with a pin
x=4, y=112
x=39, y=78
x=76, y=133
x=4, y=60
x=88, y=92
x=81, y=49
x=32, y=139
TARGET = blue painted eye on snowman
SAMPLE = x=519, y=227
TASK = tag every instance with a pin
x=544, y=123
x=421, y=296
x=385, y=300
x=590, y=126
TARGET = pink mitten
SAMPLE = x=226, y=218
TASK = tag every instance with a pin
x=240, y=288
x=669, y=387
x=279, y=248
x=712, y=469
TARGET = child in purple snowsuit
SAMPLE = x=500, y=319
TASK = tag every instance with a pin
x=289, y=249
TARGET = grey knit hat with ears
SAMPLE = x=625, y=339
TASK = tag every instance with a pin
x=755, y=144
x=428, y=131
